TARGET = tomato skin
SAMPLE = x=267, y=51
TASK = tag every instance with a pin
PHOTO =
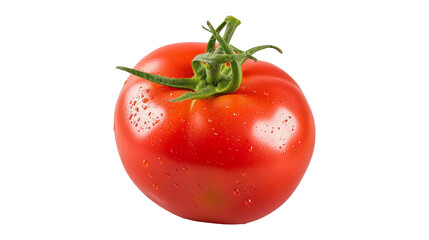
x=229, y=159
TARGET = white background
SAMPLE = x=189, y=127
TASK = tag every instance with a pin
x=363, y=66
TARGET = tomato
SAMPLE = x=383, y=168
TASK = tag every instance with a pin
x=232, y=158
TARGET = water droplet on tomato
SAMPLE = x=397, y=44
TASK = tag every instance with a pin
x=145, y=100
x=176, y=185
x=250, y=148
x=167, y=175
x=248, y=203
x=236, y=192
x=155, y=186
x=149, y=175
x=209, y=120
x=145, y=163
x=235, y=114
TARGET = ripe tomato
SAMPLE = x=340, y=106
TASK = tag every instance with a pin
x=232, y=158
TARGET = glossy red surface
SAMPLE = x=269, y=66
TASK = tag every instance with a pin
x=229, y=159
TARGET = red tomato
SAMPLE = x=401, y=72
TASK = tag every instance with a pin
x=227, y=159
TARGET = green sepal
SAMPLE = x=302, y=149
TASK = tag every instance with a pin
x=211, y=44
x=185, y=83
x=213, y=58
x=212, y=76
x=204, y=92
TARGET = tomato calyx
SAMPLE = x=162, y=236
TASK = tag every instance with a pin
x=213, y=76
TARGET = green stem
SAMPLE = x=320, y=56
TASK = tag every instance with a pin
x=212, y=76
x=236, y=73
x=231, y=24
x=213, y=69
